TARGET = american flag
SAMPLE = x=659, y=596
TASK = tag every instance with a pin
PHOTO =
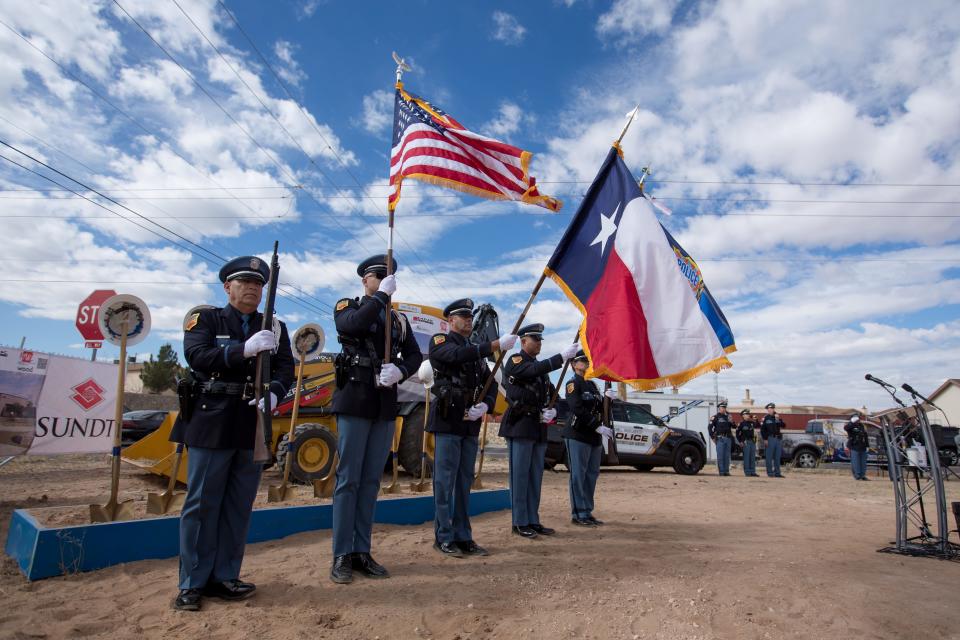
x=431, y=146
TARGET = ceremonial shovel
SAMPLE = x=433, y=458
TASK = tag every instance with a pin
x=307, y=340
x=426, y=377
x=394, y=486
x=323, y=488
x=477, y=482
x=130, y=313
x=160, y=503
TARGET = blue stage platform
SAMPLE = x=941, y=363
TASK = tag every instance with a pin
x=43, y=552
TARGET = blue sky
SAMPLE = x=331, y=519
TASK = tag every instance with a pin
x=807, y=149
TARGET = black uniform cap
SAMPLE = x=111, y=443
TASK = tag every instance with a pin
x=461, y=307
x=373, y=264
x=247, y=267
x=531, y=331
x=745, y=412
x=770, y=405
x=581, y=357
x=722, y=404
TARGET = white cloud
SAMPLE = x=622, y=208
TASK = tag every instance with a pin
x=628, y=19
x=290, y=70
x=508, y=121
x=378, y=111
x=507, y=28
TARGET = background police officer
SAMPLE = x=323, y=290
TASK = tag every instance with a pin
x=524, y=426
x=365, y=403
x=721, y=432
x=747, y=437
x=582, y=434
x=858, y=443
x=459, y=376
x=218, y=425
x=770, y=431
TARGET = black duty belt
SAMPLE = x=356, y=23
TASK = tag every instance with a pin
x=213, y=387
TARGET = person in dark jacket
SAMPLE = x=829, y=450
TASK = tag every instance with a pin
x=857, y=443
x=582, y=435
x=721, y=432
x=747, y=437
x=771, y=432
x=460, y=373
x=365, y=404
x=524, y=425
x=218, y=426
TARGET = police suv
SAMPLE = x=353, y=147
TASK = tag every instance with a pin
x=643, y=440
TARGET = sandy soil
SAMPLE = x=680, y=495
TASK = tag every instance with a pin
x=680, y=557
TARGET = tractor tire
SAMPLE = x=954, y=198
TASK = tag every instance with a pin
x=688, y=460
x=311, y=455
x=411, y=441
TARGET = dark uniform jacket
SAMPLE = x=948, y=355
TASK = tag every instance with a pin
x=459, y=372
x=360, y=327
x=720, y=425
x=527, y=388
x=771, y=427
x=857, y=436
x=586, y=411
x=213, y=346
x=747, y=431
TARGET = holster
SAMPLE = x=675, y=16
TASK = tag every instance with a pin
x=186, y=396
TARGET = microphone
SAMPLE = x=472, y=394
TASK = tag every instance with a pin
x=909, y=389
x=878, y=381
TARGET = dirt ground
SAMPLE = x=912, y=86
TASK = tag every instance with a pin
x=679, y=557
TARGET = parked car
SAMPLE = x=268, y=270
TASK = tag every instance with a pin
x=946, y=438
x=643, y=440
x=137, y=424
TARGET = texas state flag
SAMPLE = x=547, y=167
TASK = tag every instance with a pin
x=649, y=319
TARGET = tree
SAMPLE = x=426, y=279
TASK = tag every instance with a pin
x=161, y=374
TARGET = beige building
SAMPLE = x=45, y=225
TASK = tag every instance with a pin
x=947, y=397
x=133, y=383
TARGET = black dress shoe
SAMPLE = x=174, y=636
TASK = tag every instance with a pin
x=471, y=548
x=229, y=590
x=542, y=530
x=582, y=522
x=448, y=549
x=341, y=572
x=595, y=521
x=188, y=600
x=365, y=564
x=525, y=531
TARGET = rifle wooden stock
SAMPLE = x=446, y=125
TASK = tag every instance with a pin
x=264, y=435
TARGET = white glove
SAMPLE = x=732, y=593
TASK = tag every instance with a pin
x=570, y=351
x=273, y=402
x=507, y=342
x=605, y=431
x=610, y=393
x=547, y=415
x=476, y=411
x=260, y=341
x=389, y=375
x=388, y=285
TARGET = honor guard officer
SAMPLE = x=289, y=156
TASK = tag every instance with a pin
x=217, y=423
x=721, y=432
x=771, y=430
x=524, y=426
x=582, y=434
x=747, y=437
x=365, y=404
x=858, y=443
x=459, y=376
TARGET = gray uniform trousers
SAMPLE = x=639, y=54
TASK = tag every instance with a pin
x=584, y=462
x=453, y=462
x=221, y=487
x=363, y=445
x=526, y=477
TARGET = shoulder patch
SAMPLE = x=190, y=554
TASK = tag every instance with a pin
x=516, y=359
x=570, y=387
x=439, y=339
x=191, y=322
x=343, y=304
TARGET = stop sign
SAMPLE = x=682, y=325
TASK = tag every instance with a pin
x=87, y=317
